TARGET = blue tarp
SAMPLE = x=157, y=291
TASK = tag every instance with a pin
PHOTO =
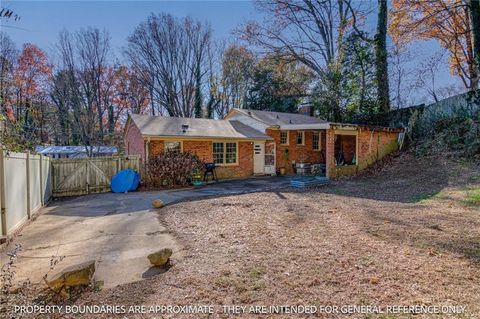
x=306, y=181
x=125, y=181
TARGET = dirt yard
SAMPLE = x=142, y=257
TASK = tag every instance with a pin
x=406, y=234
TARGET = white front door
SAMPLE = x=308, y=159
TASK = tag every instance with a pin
x=258, y=157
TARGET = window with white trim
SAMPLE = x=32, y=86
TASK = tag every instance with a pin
x=225, y=152
x=173, y=146
x=300, y=138
x=283, y=137
x=316, y=144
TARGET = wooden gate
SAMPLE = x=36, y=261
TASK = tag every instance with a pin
x=80, y=176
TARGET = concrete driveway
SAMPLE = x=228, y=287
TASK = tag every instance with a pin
x=116, y=230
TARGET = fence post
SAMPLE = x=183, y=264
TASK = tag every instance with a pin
x=28, y=184
x=3, y=210
x=42, y=199
x=87, y=176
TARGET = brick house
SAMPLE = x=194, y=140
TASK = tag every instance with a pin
x=343, y=149
x=251, y=142
x=230, y=144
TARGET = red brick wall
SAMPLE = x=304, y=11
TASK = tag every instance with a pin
x=329, y=153
x=372, y=146
x=155, y=147
x=134, y=142
x=204, y=150
x=297, y=153
x=245, y=163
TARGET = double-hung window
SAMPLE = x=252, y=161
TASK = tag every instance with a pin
x=316, y=141
x=284, y=137
x=173, y=146
x=225, y=152
x=300, y=138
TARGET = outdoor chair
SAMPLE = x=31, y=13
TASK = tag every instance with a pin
x=210, y=171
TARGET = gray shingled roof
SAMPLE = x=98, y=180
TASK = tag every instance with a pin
x=280, y=118
x=172, y=126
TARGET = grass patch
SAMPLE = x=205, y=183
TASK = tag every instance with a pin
x=473, y=197
x=475, y=178
x=365, y=260
x=473, y=253
x=442, y=195
x=247, y=282
x=422, y=197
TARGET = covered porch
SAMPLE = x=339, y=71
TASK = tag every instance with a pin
x=329, y=149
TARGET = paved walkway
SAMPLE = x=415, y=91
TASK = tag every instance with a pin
x=116, y=230
x=226, y=188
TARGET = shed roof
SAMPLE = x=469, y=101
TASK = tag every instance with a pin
x=280, y=118
x=75, y=149
x=173, y=126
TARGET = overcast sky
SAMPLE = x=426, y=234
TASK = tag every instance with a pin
x=41, y=21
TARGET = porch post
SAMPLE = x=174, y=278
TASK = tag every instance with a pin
x=147, y=150
x=330, y=152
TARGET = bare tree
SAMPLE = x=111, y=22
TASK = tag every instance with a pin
x=8, y=56
x=84, y=57
x=175, y=51
x=426, y=74
x=230, y=77
x=400, y=75
x=60, y=94
x=308, y=31
x=92, y=47
x=237, y=73
x=72, y=95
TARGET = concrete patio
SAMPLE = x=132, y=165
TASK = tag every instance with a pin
x=116, y=230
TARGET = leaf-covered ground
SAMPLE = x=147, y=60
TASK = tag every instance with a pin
x=406, y=233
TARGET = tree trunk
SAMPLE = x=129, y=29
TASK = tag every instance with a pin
x=197, y=108
x=381, y=57
x=152, y=102
x=111, y=120
x=475, y=25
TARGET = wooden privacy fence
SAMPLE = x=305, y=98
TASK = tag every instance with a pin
x=80, y=176
x=27, y=182
x=25, y=186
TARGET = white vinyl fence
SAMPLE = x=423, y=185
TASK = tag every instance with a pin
x=27, y=182
x=25, y=186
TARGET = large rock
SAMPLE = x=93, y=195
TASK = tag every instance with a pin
x=161, y=257
x=157, y=203
x=77, y=275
